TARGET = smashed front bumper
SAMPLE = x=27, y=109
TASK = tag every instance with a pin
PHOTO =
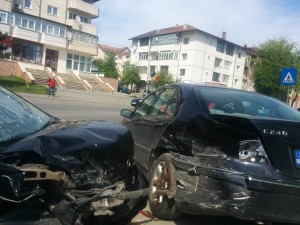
x=207, y=189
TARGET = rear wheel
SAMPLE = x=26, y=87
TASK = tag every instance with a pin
x=163, y=189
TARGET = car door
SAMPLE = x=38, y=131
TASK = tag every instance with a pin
x=154, y=114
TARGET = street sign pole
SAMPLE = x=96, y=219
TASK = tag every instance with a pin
x=287, y=95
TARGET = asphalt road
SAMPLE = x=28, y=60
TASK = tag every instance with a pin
x=107, y=107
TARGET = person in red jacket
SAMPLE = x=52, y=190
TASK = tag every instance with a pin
x=52, y=86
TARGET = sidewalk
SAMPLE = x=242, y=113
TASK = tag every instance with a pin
x=93, y=97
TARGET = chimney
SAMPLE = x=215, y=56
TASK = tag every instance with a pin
x=245, y=46
x=224, y=35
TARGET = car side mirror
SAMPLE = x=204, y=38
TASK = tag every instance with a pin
x=298, y=109
x=126, y=113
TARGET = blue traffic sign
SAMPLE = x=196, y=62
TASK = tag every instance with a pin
x=288, y=76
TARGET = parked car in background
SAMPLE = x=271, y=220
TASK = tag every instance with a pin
x=123, y=89
x=136, y=101
x=218, y=151
x=65, y=172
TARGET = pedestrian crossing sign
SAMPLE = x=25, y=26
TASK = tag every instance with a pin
x=288, y=76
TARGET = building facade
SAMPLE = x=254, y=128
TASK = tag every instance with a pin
x=122, y=55
x=190, y=55
x=52, y=33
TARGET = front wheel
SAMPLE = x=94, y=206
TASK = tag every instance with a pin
x=163, y=189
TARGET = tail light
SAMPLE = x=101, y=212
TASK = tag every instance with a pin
x=252, y=151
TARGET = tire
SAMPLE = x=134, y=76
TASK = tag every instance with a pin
x=29, y=216
x=163, y=179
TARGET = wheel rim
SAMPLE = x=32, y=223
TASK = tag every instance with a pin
x=160, y=184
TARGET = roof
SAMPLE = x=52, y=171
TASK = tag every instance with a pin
x=174, y=30
x=169, y=30
x=118, y=51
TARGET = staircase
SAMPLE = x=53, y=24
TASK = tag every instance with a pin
x=95, y=85
x=40, y=76
x=70, y=82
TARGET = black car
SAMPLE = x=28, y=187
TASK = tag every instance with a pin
x=65, y=172
x=136, y=101
x=218, y=151
x=123, y=89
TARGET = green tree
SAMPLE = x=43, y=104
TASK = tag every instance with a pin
x=272, y=57
x=3, y=46
x=161, y=78
x=130, y=74
x=108, y=66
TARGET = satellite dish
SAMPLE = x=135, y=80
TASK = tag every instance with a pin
x=77, y=18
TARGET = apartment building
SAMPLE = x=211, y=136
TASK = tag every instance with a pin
x=52, y=33
x=191, y=55
x=122, y=55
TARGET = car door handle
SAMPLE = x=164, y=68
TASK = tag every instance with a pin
x=158, y=124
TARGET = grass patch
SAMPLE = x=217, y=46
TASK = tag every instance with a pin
x=17, y=84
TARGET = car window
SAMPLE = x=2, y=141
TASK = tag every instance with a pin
x=18, y=118
x=161, y=102
x=238, y=103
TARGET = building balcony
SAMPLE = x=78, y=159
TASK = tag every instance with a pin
x=86, y=8
x=83, y=27
x=81, y=47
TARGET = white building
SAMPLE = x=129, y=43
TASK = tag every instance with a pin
x=52, y=33
x=122, y=55
x=190, y=55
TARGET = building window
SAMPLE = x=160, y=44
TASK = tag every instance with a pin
x=27, y=52
x=182, y=72
x=220, y=45
x=216, y=77
x=52, y=10
x=85, y=38
x=165, y=40
x=184, y=56
x=227, y=65
x=238, y=68
x=165, y=55
x=28, y=24
x=72, y=16
x=225, y=79
x=143, y=56
x=144, y=41
x=143, y=69
x=53, y=30
x=175, y=55
x=186, y=41
x=3, y=17
x=239, y=55
x=27, y=4
x=218, y=62
x=77, y=62
x=229, y=49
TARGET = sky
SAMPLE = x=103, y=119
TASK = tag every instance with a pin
x=249, y=22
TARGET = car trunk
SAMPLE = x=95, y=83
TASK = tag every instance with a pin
x=281, y=140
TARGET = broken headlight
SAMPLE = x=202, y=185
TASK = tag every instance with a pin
x=252, y=151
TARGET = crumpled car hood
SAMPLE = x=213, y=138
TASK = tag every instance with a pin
x=79, y=148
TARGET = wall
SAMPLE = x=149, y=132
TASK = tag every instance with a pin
x=8, y=68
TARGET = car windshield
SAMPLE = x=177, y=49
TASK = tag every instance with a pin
x=238, y=103
x=18, y=118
